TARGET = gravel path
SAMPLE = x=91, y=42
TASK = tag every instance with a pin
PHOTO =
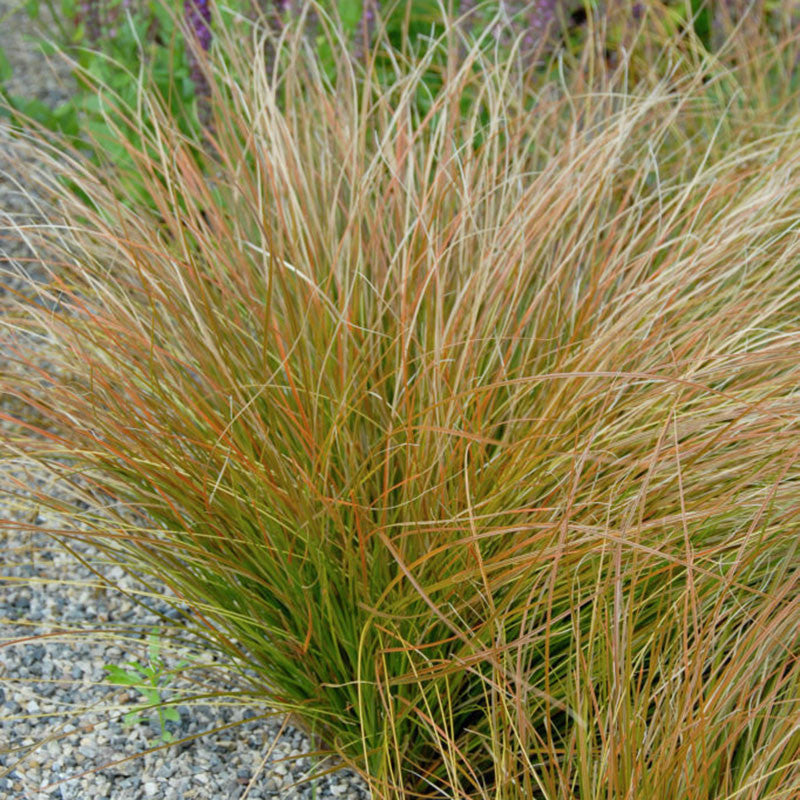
x=62, y=718
x=63, y=732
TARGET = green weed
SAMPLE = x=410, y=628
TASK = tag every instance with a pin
x=150, y=680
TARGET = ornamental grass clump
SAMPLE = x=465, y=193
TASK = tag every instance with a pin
x=471, y=437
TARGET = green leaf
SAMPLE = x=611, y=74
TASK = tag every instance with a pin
x=154, y=647
x=133, y=718
x=6, y=69
x=66, y=117
x=48, y=48
x=165, y=18
x=702, y=22
x=64, y=110
x=350, y=13
x=171, y=714
x=119, y=675
x=90, y=103
x=152, y=696
x=32, y=7
x=35, y=109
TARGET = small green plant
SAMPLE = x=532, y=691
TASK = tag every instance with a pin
x=109, y=44
x=150, y=680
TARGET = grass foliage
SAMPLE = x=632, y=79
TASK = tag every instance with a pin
x=471, y=432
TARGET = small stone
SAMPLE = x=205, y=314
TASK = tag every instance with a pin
x=151, y=789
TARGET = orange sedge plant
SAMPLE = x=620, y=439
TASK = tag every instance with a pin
x=468, y=430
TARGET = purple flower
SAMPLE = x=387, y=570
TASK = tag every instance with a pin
x=282, y=11
x=90, y=11
x=366, y=28
x=541, y=20
x=198, y=15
